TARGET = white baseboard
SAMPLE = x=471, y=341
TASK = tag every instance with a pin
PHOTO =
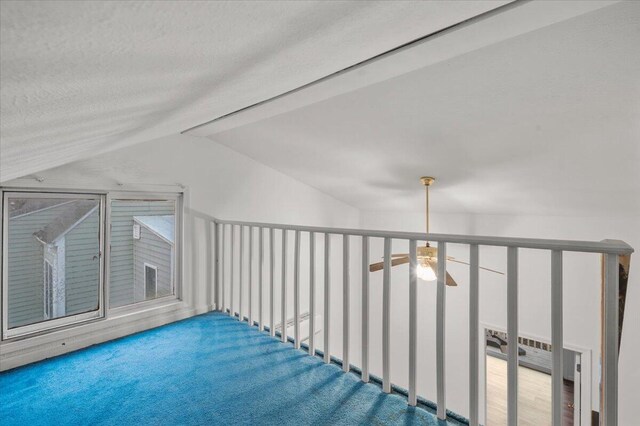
x=21, y=352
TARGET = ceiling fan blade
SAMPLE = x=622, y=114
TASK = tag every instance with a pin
x=451, y=259
x=449, y=281
x=394, y=262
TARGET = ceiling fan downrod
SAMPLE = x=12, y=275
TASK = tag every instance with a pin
x=427, y=181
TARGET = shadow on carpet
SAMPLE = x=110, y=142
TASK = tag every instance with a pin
x=209, y=369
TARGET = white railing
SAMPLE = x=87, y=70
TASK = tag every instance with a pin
x=224, y=278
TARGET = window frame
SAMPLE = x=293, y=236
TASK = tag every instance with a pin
x=178, y=199
x=47, y=325
x=104, y=312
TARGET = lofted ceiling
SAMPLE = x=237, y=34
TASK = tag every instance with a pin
x=82, y=78
x=545, y=122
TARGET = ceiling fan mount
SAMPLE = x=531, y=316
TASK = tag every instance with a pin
x=427, y=180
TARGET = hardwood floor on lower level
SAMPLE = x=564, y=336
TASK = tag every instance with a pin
x=534, y=396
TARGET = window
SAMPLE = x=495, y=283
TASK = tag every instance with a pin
x=143, y=251
x=51, y=274
x=150, y=281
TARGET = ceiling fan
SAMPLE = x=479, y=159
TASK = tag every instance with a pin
x=427, y=255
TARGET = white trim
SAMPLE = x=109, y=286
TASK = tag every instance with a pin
x=70, y=228
x=155, y=291
x=42, y=209
x=153, y=231
x=47, y=288
x=20, y=352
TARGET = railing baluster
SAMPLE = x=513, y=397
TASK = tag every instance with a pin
x=231, y=257
x=413, y=322
x=441, y=301
x=345, y=303
x=260, y=273
x=222, y=268
x=327, y=294
x=512, y=336
x=272, y=265
x=208, y=255
x=386, y=318
x=365, y=309
x=557, y=344
x=250, y=284
x=284, y=287
x=474, y=341
x=312, y=293
x=296, y=291
x=609, y=379
x=240, y=267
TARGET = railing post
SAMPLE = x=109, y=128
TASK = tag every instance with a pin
x=250, y=292
x=283, y=327
x=231, y=257
x=474, y=340
x=260, y=273
x=272, y=265
x=557, y=344
x=441, y=301
x=223, y=306
x=512, y=336
x=609, y=366
x=296, y=291
x=312, y=293
x=413, y=322
x=240, y=267
x=208, y=255
x=365, y=309
x=345, y=303
x=327, y=298
x=386, y=318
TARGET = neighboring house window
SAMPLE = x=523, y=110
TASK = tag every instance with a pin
x=150, y=281
x=48, y=290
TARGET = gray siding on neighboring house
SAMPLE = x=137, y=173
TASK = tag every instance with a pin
x=26, y=263
x=121, y=274
x=25, y=266
x=154, y=250
x=82, y=269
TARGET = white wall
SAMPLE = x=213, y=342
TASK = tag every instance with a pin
x=581, y=301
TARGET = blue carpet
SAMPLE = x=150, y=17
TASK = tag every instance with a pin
x=208, y=369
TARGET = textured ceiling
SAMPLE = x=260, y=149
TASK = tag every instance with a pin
x=547, y=122
x=81, y=78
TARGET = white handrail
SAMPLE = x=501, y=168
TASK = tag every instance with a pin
x=610, y=249
x=605, y=247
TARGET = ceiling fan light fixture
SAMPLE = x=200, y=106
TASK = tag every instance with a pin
x=425, y=273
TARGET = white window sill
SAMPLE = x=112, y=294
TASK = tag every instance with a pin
x=119, y=323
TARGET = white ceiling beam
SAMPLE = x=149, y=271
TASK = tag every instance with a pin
x=491, y=27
